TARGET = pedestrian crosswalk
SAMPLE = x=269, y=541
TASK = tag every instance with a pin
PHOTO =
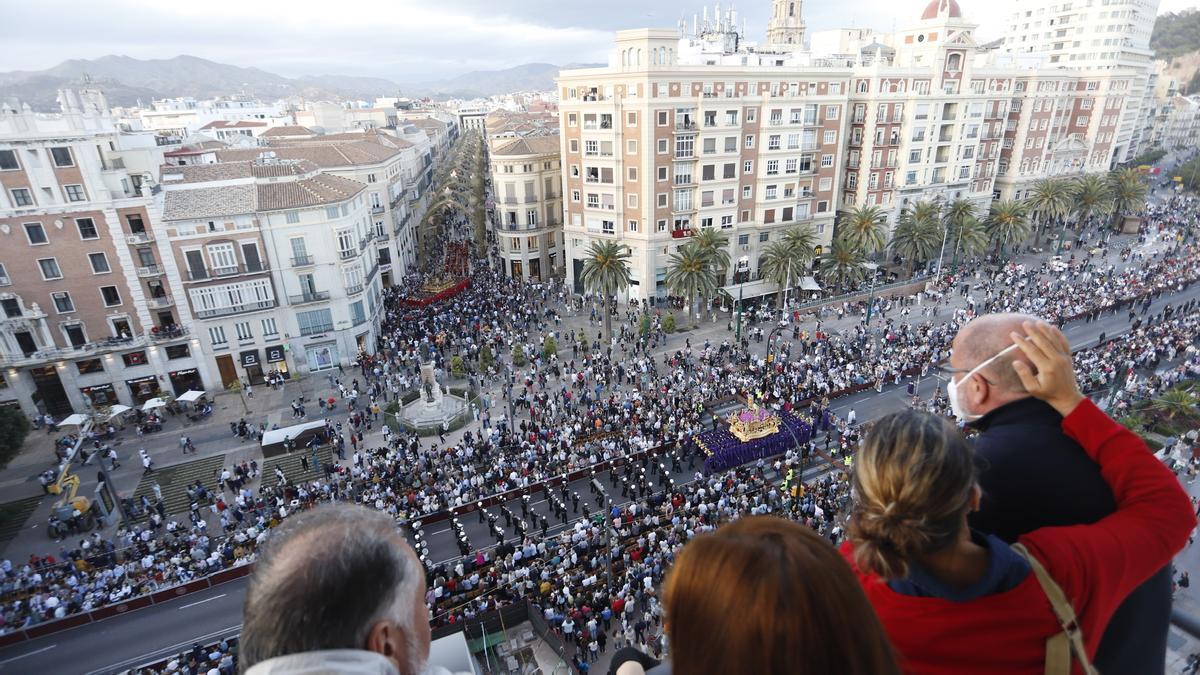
x=174, y=481
x=293, y=467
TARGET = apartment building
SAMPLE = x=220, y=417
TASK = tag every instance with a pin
x=934, y=115
x=1093, y=35
x=276, y=261
x=527, y=213
x=678, y=135
x=88, y=320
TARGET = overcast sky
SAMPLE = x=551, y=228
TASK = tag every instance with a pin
x=404, y=40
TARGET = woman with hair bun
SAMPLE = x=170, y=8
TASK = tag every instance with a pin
x=953, y=600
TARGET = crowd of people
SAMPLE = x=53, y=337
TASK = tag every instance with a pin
x=555, y=413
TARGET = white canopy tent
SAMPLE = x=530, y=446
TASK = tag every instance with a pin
x=190, y=395
x=809, y=284
x=75, y=420
x=118, y=410
x=152, y=404
x=293, y=432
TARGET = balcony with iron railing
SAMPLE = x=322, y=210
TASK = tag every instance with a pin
x=233, y=309
x=377, y=208
x=160, y=334
x=355, y=289
x=143, y=237
x=347, y=254
x=149, y=271
x=305, y=298
x=681, y=233
x=302, y=261
x=160, y=302
x=64, y=353
x=223, y=272
x=682, y=127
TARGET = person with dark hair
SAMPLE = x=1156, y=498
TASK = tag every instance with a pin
x=765, y=595
x=956, y=600
x=1024, y=454
x=336, y=590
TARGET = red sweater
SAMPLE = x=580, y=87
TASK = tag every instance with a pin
x=1096, y=565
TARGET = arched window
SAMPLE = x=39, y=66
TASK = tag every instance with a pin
x=954, y=63
x=638, y=58
x=791, y=9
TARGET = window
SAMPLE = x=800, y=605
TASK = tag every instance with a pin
x=831, y=112
x=632, y=173
x=662, y=117
x=134, y=358
x=764, y=237
x=62, y=303
x=87, y=228
x=21, y=197
x=62, y=156
x=826, y=160
x=90, y=366
x=243, y=330
x=112, y=297
x=749, y=142
x=216, y=334
x=633, y=226
x=35, y=233
x=743, y=239
x=74, y=193
x=293, y=217
x=331, y=212
x=50, y=269
x=748, y=166
x=178, y=351
x=830, y=137
x=8, y=160
x=268, y=326
x=662, y=146
x=99, y=263
x=315, y=321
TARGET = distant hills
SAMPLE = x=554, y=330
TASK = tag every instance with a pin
x=126, y=80
x=1175, y=42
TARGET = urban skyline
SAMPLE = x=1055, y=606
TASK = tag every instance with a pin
x=406, y=43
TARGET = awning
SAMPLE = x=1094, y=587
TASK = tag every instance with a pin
x=751, y=289
x=152, y=404
x=809, y=284
x=190, y=395
x=118, y=410
x=293, y=432
x=75, y=420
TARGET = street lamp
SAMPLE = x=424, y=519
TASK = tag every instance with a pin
x=874, y=268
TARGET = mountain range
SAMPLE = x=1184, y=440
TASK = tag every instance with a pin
x=126, y=80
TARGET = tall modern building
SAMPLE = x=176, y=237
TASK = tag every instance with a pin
x=1092, y=35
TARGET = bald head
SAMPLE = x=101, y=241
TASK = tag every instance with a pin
x=336, y=577
x=982, y=339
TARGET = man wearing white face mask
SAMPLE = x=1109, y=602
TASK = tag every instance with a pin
x=1033, y=475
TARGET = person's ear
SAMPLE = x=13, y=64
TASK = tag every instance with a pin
x=386, y=640
x=976, y=497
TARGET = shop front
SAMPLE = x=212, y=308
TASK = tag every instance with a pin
x=183, y=380
x=143, y=388
x=322, y=356
x=252, y=364
x=100, y=395
x=277, y=360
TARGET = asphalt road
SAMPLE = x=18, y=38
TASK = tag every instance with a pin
x=164, y=629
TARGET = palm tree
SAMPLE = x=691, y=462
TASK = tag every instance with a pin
x=1007, y=223
x=1176, y=402
x=960, y=219
x=969, y=235
x=606, y=271
x=802, y=239
x=1090, y=198
x=843, y=263
x=917, y=235
x=1049, y=201
x=716, y=244
x=1128, y=194
x=865, y=227
x=781, y=264
x=690, y=273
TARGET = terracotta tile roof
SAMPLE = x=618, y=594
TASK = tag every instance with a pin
x=240, y=124
x=213, y=202
x=315, y=191
x=288, y=130
x=204, y=173
x=531, y=145
x=324, y=155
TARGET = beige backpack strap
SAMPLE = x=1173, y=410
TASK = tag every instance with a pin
x=1059, y=647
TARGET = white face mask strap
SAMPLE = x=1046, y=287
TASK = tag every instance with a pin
x=985, y=364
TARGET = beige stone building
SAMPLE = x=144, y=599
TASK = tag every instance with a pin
x=527, y=205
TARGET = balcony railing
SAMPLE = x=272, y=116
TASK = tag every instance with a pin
x=167, y=333
x=377, y=208
x=143, y=237
x=313, y=330
x=685, y=126
x=234, y=309
x=371, y=272
x=86, y=349
x=681, y=233
x=303, y=298
x=302, y=261
x=220, y=272
x=356, y=288
x=160, y=302
x=149, y=271
x=347, y=254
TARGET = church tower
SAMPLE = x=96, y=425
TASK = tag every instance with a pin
x=785, y=30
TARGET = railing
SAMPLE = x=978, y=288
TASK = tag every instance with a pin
x=165, y=333
x=315, y=296
x=681, y=233
x=149, y=271
x=356, y=288
x=314, y=330
x=685, y=126
x=114, y=164
x=302, y=261
x=377, y=208
x=160, y=302
x=234, y=309
x=218, y=272
x=347, y=254
x=143, y=237
x=54, y=353
x=372, y=272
